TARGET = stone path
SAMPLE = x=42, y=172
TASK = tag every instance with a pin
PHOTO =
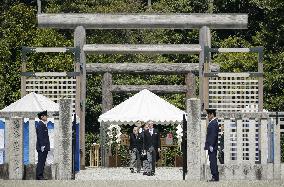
x=121, y=177
x=120, y=173
x=137, y=183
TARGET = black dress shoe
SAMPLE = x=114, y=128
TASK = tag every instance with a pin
x=144, y=173
x=132, y=170
x=149, y=174
x=41, y=178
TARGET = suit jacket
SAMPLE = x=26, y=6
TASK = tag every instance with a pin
x=212, y=135
x=42, y=137
x=136, y=142
x=152, y=140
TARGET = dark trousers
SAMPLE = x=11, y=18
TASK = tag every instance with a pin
x=41, y=163
x=154, y=159
x=213, y=164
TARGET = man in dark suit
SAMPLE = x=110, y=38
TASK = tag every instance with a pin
x=152, y=145
x=42, y=144
x=211, y=143
x=135, y=150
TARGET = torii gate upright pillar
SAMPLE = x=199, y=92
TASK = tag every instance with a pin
x=204, y=40
x=79, y=42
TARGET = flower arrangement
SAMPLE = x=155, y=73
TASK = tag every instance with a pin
x=179, y=133
x=113, y=133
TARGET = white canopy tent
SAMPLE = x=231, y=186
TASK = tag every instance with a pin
x=32, y=103
x=143, y=106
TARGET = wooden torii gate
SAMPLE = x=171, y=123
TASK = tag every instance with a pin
x=80, y=22
x=188, y=70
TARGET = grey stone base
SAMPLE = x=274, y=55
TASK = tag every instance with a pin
x=4, y=171
x=29, y=172
x=282, y=171
x=138, y=183
x=241, y=172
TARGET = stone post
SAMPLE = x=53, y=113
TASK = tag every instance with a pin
x=227, y=144
x=239, y=141
x=16, y=168
x=252, y=142
x=32, y=141
x=194, y=139
x=203, y=153
x=263, y=141
x=54, y=166
x=63, y=140
x=277, y=151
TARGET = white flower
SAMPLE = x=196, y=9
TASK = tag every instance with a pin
x=114, y=128
x=179, y=132
x=109, y=143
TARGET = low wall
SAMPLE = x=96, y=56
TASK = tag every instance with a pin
x=232, y=172
x=282, y=171
x=243, y=172
x=4, y=171
x=30, y=172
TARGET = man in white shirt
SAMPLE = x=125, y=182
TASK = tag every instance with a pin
x=152, y=146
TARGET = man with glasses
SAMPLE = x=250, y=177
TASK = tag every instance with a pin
x=153, y=146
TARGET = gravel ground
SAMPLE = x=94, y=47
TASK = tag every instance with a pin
x=123, y=173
